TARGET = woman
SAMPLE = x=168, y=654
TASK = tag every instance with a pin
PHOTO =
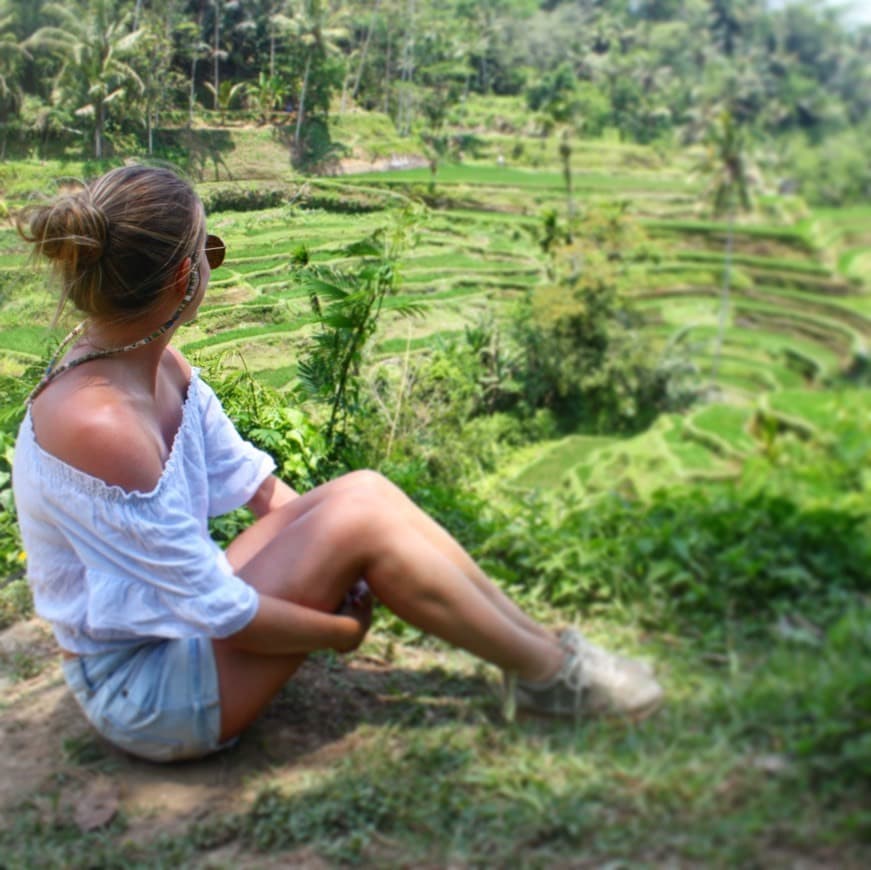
x=171, y=646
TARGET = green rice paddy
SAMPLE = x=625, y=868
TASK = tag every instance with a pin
x=798, y=320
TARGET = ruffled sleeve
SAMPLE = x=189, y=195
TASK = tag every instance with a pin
x=149, y=569
x=235, y=467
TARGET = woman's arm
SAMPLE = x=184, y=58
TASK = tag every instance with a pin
x=280, y=627
x=272, y=494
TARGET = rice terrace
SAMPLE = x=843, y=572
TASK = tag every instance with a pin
x=616, y=339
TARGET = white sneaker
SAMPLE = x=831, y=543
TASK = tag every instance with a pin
x=591, y=681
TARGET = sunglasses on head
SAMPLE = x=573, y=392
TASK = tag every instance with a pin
x=215, y=251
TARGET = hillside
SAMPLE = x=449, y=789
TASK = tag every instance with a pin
x=726, y=544
x=799, y=316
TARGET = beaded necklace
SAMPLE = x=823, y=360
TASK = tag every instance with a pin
x=51, y=372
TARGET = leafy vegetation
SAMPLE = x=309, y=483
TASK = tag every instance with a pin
x=574, y=400
x=103, y=77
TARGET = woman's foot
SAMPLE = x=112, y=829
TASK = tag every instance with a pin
x=573, y=639
x=591, y=681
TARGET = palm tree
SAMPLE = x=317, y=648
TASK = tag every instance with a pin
x=406, y=73
x=154, y=59
x=279, y=23
x=216, y=50
x=224, y=96
x=318, y=30
x=730, y=174
x=12, y=52
x=94, y=49
x=194, y=49
x=266, y=95
x=364, y=50
x=27, y=17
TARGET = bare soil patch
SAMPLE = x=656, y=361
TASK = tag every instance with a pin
x=53, y=757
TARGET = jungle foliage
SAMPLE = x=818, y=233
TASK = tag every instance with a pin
x=114, y=77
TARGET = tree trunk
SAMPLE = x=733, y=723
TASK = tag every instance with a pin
x=387, y=76
x=570, y=200
x=406, y=76
x=364, y=50
x=98, y=131
x=724, y=296
x=193, y=94
x=301, y=107
x=344, y=94
x=215, y=47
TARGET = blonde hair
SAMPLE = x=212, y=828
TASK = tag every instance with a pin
x=115, y=243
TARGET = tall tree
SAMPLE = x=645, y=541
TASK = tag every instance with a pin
x=280, y=23
x=217, y=9
x=27, y=16
x=154, y=59
x=318, y=29
x=11, y=93
x=365, y=49
x=95, y=48
x=406, y=72
x=729, y=172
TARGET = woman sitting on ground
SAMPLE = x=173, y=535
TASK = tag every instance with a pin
x=171, y=645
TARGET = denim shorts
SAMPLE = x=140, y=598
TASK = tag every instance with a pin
x=158, y=700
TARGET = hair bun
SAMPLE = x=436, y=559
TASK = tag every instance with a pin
x=73, y=230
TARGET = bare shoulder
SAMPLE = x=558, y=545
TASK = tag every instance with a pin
x=100, y=431
x=180, y=368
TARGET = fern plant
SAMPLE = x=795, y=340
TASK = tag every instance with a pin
x=348, y=302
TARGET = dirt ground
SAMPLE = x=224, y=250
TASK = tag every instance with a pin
x=52, y=756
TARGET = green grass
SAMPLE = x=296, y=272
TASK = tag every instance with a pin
x=31, y=340
x=820, y=409
x=496, y=176
x=736, y=770
x=744, y=767
x=547, y=471
x=791, y=238
x=277, y=377
x=691, y=458
x=763, y=263
x=726, y=426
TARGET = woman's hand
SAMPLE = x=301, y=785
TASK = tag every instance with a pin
x=282, y=627
x=357, y=605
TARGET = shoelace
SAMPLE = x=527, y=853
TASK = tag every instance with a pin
x=571, y=674
x=615, y=666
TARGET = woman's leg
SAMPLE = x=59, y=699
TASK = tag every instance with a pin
x=388, y=494
x=358, y=527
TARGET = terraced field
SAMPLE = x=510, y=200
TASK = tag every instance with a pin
x=798, y=318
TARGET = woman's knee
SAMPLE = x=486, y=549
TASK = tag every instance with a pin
x=373, y=485
x=360, y=519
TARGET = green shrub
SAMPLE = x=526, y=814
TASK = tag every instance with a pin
x=584, y=353
x=15, y=600
x=266, y=417
x=242, y=199
x=793, y=533
x=835, y=171
x=836, y=708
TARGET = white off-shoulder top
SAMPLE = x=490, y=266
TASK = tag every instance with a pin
x=110, y=568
